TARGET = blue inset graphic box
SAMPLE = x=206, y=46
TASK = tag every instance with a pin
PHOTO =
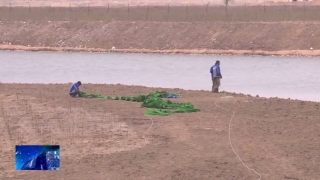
x=37, y=157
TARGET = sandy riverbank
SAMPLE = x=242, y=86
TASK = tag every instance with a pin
x=104, y=139
x=172, y=51
x=269, y=38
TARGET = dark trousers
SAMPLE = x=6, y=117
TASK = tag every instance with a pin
x=215, y=84
x=74, y=94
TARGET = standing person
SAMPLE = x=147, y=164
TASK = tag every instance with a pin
x=74, y=89
x=215, y=76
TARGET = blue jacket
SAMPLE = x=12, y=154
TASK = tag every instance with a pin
x=74, y=88
x=215, y=71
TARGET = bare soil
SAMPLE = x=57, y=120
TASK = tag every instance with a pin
x=105, y=139
x=300, y=38
x=201, y=28
x=64, y=3
x=144, y=2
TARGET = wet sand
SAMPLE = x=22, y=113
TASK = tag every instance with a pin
x=104, y=139
x=309, y=53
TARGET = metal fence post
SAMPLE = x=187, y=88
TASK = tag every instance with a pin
x=70, y=11
x=147, y=12
x=207, y=7
x=187, y=12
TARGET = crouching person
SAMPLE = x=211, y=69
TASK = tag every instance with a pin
x=75, y=90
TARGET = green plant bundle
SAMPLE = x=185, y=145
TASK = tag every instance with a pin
x=153, y=101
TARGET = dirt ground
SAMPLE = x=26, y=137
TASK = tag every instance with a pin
x=145, y=2
x=105, y=139
x=266, y=30
x=169, y=36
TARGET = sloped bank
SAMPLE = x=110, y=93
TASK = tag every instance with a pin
x=285, y=38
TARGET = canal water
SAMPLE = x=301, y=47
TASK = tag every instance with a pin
x=267, y=76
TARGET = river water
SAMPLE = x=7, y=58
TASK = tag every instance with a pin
x=267, y=76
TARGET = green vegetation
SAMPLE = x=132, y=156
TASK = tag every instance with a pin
x=153, y=101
